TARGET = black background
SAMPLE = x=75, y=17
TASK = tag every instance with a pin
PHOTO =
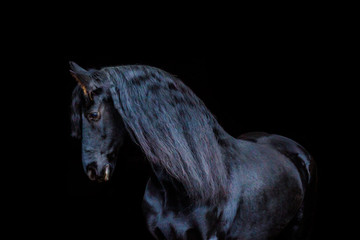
x=284, y=90
x=287, y=70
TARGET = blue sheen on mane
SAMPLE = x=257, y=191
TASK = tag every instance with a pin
x=173, y=127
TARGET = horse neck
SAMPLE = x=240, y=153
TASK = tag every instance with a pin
x=174, y=190
x=228, y=144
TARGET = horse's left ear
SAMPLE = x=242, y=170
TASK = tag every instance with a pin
x=82, y=77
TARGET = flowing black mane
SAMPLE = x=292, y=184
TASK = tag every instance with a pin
x=172, y=125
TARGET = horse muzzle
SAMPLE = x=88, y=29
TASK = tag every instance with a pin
x=100, y=176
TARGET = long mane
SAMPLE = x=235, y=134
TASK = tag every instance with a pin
x=173, y=127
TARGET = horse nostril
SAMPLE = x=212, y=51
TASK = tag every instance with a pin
x=91, y=173
x=95, y=175
x=107, y=173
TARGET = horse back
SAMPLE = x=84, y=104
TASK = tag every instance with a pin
x=290, y=149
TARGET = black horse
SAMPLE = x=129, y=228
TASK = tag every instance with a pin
x=206, y=184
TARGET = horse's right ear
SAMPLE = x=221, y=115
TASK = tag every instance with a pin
x=76, y=68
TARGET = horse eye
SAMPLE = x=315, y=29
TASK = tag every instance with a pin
x=94, y=116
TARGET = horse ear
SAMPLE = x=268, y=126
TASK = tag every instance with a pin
x=81, y=76
x=76, y=68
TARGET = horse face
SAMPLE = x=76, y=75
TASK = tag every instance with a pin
x=102, y=129
x=102, y=136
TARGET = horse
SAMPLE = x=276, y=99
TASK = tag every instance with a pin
x=205, y=184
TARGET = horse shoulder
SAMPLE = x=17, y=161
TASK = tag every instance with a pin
x=168, y=218
x=163, y=220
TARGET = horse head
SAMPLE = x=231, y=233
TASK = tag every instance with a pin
x=96, y=122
